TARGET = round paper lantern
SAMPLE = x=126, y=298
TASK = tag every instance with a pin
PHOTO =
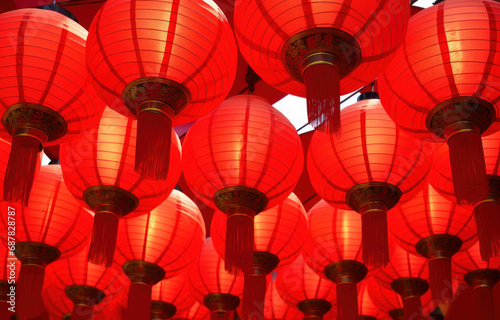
x=279, y=234
x=163, y=62
x=320, y=49
x=275, y=307
x=302, y=288
x=197, y=312
x=435, y=228
x=43, y=232
x=99, y=171
x=481, y=275
x=9, y=267
x=243, y=158
x=369, y=169
x=387, y=300
x=368, y=310
x=214, y=287
x=45, y=95
x=171, y=296
x=157, y=245
x=442, y=85
x=486, y=211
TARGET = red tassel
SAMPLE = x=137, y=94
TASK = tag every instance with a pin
x=484, y=303
x=347, y=301
x=82, y=312
x=220, y=315
x=21, y=169
x=468, y=168
x=104, y=235
x=254, y=294
x=440, y=280
x=322, y=83
x=487, y=215
x=154, y=134
x=139, y=302
x=29, y=287
x=412, y=308
x=239, y=240
x=374, y=238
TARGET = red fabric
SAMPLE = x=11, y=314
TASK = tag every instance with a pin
x=196, y=312
x=484, y=303
x=412, y=309
x=190, y=42
x=347, y=304
x=175, y=291
x=262, y=27
x=384, y=298
x=440, y=278
x=139, y=301
x=366, y=306
x=276, y=308
x=470, y=260
x=29, y=291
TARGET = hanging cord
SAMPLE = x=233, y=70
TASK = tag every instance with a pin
x=251, y=78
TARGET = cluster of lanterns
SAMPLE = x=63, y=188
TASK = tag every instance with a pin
x=106, y=230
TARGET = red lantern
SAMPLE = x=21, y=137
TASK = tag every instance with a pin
x=163, y=62
x=280, y=233
x=368, y=310
x=480, y=275
x=157, y=245
x=369, y=169
x=485, y=211
x=387, y=300
x=435, y=228
x=9, y=267
x=243, y=158
x=44, y=231
x=442, y=84
x=212, y=286
x=45, y=92
x=197, y=312
x=305, y=48
x=99, y=171
x=302, y=288
x=275, y=307
x=171, y=296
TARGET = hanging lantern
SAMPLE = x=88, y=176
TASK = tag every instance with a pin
x=197, y=312
x=212, y=286
x=302, y=288
x=9, y=267
x=442, y=85
x=243, y=158
x=165, y=63
x=98, y=169
x=367, y=308
x=44, y=231
x=481, y=275
x=275, y=308
x=387, y=300
x=171, y=296
x=45, y=93
x=487, y=210
x=320, y=49
x=369, y=169
x=158, y=245
x=435, y=228
x=279, y=234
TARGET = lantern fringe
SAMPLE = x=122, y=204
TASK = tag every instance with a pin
x=239, y=243
x=82, y=312
x=254, y=294
x=104, y=235
x=322, y=82
x=440, y=280
x=139, y=302
x=220, y=315
x=29, y=288
x=468, y=168
x=347, y=299
x=374, y=238
x=487, y=216
x=412, y=308
x=484, y=303
x=21, y=169
x=154, y=139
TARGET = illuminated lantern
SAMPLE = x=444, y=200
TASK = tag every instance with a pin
x=302, y=288
x=372, y=167
x=45, y=95
x=480, y=275
x=387, y=300
x=275, y=307
x=157, y=245
x=197, y=312
x=9, y=267
x=320, y=49
x=214, y=287
x=280, y=233
x=367, y=308
x=435, y=228
x=441, y=84
x=171, y=296
x=53, y=226
x=99, y=171
x=487, y=210
x=243, y=158
x=163, y=62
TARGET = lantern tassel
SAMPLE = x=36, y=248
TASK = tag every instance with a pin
x=220, y=315
x=484, y=303
x=21, y=169
x=82, y=312
x=440, y=280
x=104, y=235
x=154, y=134
x=322, y=82
x=139, y=302
x=29, y=286
x=239, y=240
x=254, y=294
x=412, y=308
x=347, y=299
x=468, y=168
x=487, y=214
x=375, y=241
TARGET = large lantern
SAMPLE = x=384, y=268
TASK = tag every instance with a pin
x=280, y=233
x=243, y=158
x=442, y=84
x=171, y=297
x=372, y=167
x=320, y=49
x=157, y=245
x=197, y=312
x=276, y=308
x=45, y=95
x=99, y=171
x=163, y=62
x=385, y=299
x=368, y=310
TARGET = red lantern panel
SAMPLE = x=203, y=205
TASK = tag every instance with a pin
x=365, y=304
x=470, y=260
x=275, y=307
x=175, y=291
x=384, y=298
x=196, y=312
